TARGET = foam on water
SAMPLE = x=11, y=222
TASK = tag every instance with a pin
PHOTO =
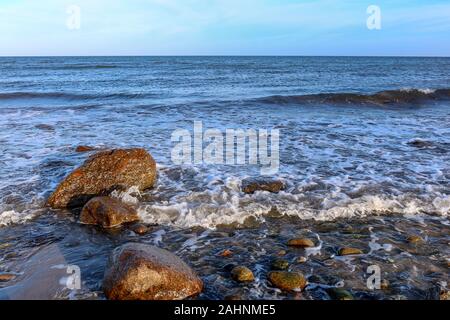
x=12, y=217
x=338, y=157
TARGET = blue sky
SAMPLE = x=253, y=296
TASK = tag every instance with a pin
x=224, y=27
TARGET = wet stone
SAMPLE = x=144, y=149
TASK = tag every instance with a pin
x=242, y=274
x=339, y=294
x=252, y=185
x=140, y=228
x=301, y=243
x=280, y=264
x=349, y=251
x=84, y=149
x=287, y=281
x=415, y=239
x=5, y=277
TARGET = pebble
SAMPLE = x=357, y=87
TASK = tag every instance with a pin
x=84, y=149
x=287, y=281
x=5, y=277
x=349, y=251
x=226, y=253
x=280, y=264
x=300, y=242
x=384, y=284
x=233, y=297
x=140, y=228
x=302, y=259
x=242, y=274
x=339, y=294
x=415, y=239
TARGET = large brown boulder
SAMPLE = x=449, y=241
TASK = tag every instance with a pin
x=103, y=172
x=143, y=272
x=107, y=212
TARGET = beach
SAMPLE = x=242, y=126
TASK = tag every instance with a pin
x=363, y=165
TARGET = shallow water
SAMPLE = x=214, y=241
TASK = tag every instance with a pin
x=359, y=174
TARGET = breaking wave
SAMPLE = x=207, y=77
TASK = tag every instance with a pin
x=388, y=97
x=382, y=98
x=227, y=205
x=71, y=96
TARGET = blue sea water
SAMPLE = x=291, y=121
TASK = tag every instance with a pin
x=359, y=137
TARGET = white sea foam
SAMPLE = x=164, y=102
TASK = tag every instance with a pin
x=131, y=195
x=13, y=217
x=225, y=204
x=423, y=90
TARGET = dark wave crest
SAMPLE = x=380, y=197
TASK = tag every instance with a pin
x=87, y=66
x=71, y=96
x=389, y=97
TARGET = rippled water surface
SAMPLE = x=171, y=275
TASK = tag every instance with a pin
x=360, y=170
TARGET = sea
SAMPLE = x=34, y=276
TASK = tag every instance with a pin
x=364, y=154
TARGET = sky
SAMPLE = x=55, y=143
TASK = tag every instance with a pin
x=223, y=27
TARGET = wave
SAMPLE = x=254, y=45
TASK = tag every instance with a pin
x=224, y=204
x=72, y=96
x=388, y=97
x=87, y=66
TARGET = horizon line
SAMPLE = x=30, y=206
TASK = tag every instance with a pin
x=229, y=55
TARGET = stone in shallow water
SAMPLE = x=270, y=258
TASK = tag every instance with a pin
x=107, y=212
x=419, y=143
x=339, y=294
x=144, y=272
x=287, y=281
x=384, y=284
x=349, y=251
x=226, y=253
x=84, y=149
x=242, y=274
x=415, y=239
x=270, y=185
x=5, y=277
x=103, y=172
x=300, y=242
x=280, y=264
x=139, y=228
x=233, y=297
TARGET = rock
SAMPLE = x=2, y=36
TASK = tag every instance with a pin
x=280, y=264
x=444, y=295
x=144, y=272
x=84, y=149
x=302, y=259
x=103, y=172
x=300, y=242
x=107, y=212
x=384, y=284
x=242, y=274
x=415, y=239
x=282, y=252
x=252, y=185
x=287, y=281
x=5, y=277
x=139, y=228
x=419, y=143
x=226, y=253
x=349, y=251
x=233, y=297
x=45, y=127
x=339, y=294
